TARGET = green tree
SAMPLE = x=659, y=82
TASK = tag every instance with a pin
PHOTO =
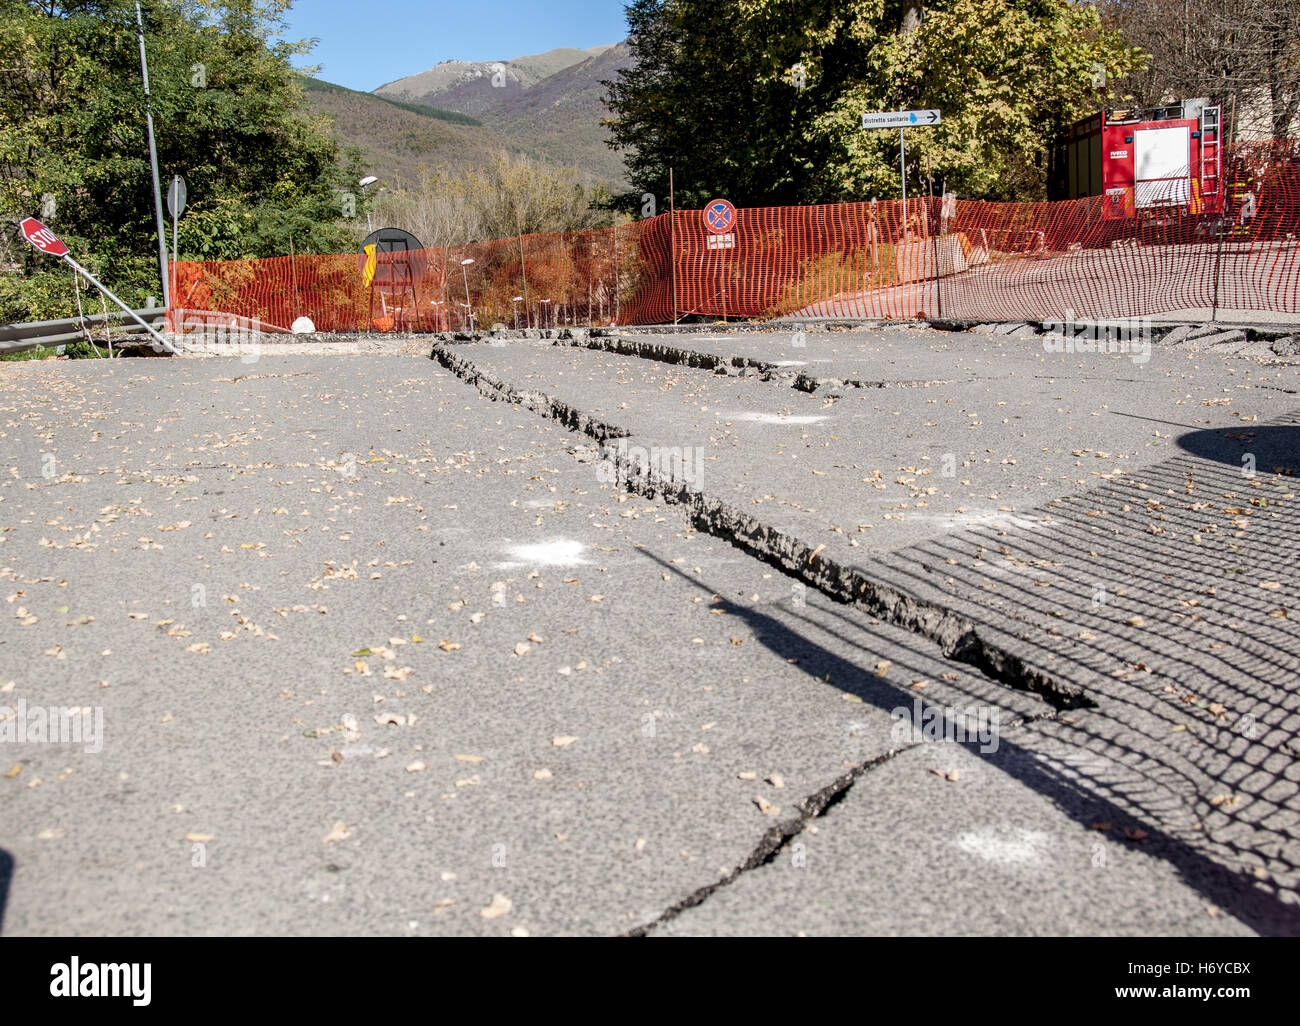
x=762, y=100
x=709, y=101
x=227, y=113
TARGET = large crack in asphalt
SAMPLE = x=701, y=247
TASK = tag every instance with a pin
x=777, y=838
x=662, y=353
x=957, y=637
x=720, y=364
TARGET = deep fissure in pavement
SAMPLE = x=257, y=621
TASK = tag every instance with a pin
x=958, y=638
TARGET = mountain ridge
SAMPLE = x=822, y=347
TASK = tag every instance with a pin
x=550, y=102
x=516, y=72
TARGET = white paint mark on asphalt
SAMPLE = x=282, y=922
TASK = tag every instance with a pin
x=790, y=363
x=770, y=418
x=556, y=552
x=1006, y=847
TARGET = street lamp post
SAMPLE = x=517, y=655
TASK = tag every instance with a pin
x=163, y=273
x=367, y=181
x=464, y=274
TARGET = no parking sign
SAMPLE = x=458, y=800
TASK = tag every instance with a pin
x=720, y=217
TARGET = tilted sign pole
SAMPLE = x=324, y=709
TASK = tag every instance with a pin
x=153, y=161
x=47, y=242
x=94, y=281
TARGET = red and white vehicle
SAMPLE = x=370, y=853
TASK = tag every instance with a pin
x=1154, y=161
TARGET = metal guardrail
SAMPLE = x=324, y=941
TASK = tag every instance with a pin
x=17, y=338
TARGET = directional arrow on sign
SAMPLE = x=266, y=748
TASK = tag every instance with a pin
x=902, y=119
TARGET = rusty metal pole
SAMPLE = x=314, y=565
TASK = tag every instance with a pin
x=672, y=231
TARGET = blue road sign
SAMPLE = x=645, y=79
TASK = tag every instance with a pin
x=720, y=217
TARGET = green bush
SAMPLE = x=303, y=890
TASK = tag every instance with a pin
x=43, y=296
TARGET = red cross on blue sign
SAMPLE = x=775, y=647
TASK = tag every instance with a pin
x=720, y=217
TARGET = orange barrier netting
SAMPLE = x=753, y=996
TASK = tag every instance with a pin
x=957, y=259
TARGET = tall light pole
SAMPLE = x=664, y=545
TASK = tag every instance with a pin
x=153, y=161
x=464, y=274
x=367, y=181
x=514, y=302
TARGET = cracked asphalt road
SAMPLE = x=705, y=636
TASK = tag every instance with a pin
x=377, y=654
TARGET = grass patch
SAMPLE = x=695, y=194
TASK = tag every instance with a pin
x=39, y=353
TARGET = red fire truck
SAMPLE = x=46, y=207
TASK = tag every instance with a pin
x=1149, y=163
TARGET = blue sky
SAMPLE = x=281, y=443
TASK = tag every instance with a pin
x=365, y=43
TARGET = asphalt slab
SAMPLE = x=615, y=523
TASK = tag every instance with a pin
x=887, y=631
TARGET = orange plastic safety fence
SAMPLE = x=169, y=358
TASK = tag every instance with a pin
x=933, y=258
x=614, y=275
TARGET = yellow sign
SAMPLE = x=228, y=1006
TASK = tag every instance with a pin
x=368, y=272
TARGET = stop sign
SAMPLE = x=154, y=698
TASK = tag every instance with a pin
x=42, y=238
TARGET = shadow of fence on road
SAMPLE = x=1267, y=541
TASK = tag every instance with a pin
x=1192, y=746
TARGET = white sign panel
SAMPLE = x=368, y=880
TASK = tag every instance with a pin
x=1161, y=159
x=724, y=241
x=176, y=195
x=902, y=119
